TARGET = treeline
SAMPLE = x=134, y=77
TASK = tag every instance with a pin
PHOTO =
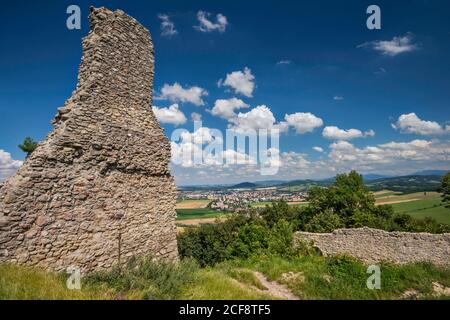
x=347, y=203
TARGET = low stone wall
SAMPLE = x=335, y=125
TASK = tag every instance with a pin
x=373, y=245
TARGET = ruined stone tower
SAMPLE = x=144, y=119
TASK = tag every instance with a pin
x=98, y=189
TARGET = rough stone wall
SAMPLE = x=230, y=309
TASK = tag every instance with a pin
x=372, y=245
x=101, y=178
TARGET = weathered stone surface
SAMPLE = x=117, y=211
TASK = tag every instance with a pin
x=103, y=172
x=372, y=245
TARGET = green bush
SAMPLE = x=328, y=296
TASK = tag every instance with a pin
x=250, y=240
x=326, y=221
x=210, y=244
x=236, y=238
x=147, y=278
x=281, y=238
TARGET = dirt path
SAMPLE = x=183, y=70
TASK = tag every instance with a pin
x=276, y=289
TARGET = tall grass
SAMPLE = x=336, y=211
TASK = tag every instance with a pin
x=25, y=283
x=147, y=278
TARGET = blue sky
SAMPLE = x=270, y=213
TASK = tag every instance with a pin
x=307, y=57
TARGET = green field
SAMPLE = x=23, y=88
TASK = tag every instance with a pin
x=199, y=213
x=425, y=208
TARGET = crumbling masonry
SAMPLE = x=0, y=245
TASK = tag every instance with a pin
x=98, y=189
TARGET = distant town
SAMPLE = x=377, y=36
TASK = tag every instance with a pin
x=240, y=199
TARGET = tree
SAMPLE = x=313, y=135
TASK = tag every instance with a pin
x=28, y=146
x=445, y=189
x=344, y=197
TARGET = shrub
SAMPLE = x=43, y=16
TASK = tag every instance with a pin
x=326, y=221
x=210, y=244
x=148, y=278
x=281, y=238
x=251, y=239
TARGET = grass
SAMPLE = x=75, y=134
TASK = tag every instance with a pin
x=425, y=208
x=345, y=278
x=199, y=213
x=418, y=205
x=24, y=283
x=214, y=284
x=315, y=277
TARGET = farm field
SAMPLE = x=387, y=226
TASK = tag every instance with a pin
x=418, y=204
x=192, y=204
x=199, y=213
x=394, y=197
x=425, y=208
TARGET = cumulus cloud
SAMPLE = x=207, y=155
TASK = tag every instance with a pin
x=206, y=25
x=241, y=81
x=8, y=166
x=167, y=26
x=391, y=153
x=261, y=117
x=176, y=93
x=411, y=123
x=318, y=149
x=396, y=46
x=189, y=147
x=196, y=116
x=172, y=115
x=225, y=108
x=303, y=122
x=388, y=158
x=258, y=118
x=335, y=133
x=193, y=146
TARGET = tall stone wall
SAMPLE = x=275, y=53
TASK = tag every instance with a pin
x=99, y=187
x=372, y=245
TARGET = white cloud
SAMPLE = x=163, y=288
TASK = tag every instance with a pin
x=411, y=123
x=207, y=25
x=261, y=117
x=391, y=154
x=240, y=158
x=318, y=149
x=167, y=26
x=258, y=118
x=335, y=133
x=338, y=98
x=242, y=82
x=389, y=158
x=172, y=115
x=303, y=122
x=283, y=62
x=225, y=108
x=196, y=116
x=8, y=166
x=176, y=93
x=201, y=136
x=396, y=46
x=381, y=71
